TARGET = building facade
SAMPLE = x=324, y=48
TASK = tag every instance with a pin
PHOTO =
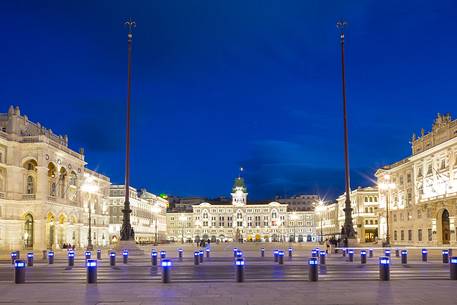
x=148, y=217
x=299, y=202
x=419, y=204
x=240, y=221
x=47, y=195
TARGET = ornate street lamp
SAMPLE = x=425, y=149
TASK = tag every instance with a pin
x=90, y=187
x=387, y=186
x=182, y=220
x=156, y=211
x=294, y=218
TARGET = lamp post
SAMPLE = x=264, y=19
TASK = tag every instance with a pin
x=126, y=229
x=320, y=208
x=156, y=211
x=294, y=218
x=348, y=224
x=387, y=185
x=90, y=187
x=182, y=219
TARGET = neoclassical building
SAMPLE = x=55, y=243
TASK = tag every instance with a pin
x=364, y=203
x=420, y=191
x=47, y=195
x=241, y=221
x=148, y=217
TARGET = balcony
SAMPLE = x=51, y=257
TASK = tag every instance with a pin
x=28, y=197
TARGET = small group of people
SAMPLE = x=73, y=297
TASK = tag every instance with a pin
x=68, y=246
x=203, y=243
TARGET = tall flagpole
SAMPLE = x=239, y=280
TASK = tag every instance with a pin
x=126, y=230
x=349, y=232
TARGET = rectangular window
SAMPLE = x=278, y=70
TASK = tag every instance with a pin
x=419, y=235
x=395, y=235
x=402, y=235
x=410, y=235
x=430, y=235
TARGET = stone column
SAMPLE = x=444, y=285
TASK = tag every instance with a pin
x=42, y=183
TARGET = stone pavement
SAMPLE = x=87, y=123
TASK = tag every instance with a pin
x=416, y=292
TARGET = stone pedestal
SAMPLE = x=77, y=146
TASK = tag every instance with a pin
x=352, y=242
x=131, y=246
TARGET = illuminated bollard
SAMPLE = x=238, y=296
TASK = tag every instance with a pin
x=397, y=252
x=322, y=255
x=163, y=254
x=166, y=270
x=363, y=256
x=404, y=257
x=200, y=255
x=370, y=253
x=262, y=252
x=424, y=255
x=445, y=254
x=384, y=268
x=234, y=251
x=290, y=252
x=99, y=254
x=91, y=265
x=312, y=269
x=112, y=258
x=71, y=258
x=180, y=254
x=13, y=257
x=51, y=257
x=453, y=268
x=208, y=253
x=314, y=253
x=275, y=255
x=30, y=259
x=387, y=252
x=125, y=256
x=351, y=255
x=239, y=254
x=19, y=272
x=196, y=258
x=281, y=257
x=87, y=255
x=154, y=258
x=239, y=265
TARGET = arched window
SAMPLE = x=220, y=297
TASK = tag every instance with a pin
x=28, y=231
x=239, y=215
x=30, y=185
x=73, y=179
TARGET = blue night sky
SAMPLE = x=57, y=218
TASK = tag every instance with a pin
x=219, y=84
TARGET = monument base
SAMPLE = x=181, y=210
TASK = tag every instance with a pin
x=131, y=246
x=352, y=242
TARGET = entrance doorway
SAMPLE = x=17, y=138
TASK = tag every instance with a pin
x=445, y=226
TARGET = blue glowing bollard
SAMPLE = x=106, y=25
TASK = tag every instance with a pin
x=19, y=272
x=281, y=257
x=363, y=256
x=154, y=258
x=71, y=258
x=314, y=253
x=370, y=253
x=87, y=255
x=239, y=254
x=51, y=257
x=125, y=256
x=200, y=255
x=180, y=251
x=30, y=259
x=445, y=254
x=322, y=255
x=163, y=254
x=404, y=257
x=384, y=268
x=453, y=268
x=262, y=252
x=99, y=254
x=196, y=258
x=351, y=255
x=112, y=258
x=239, y=273
x=387, y=252
x=166, y=270
x=234, y=251
x=290, y=252
x=312, y=269
x=91, y=265
x=275, y=255
x=424, y=255
x=207, y=252
x=13, y=257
